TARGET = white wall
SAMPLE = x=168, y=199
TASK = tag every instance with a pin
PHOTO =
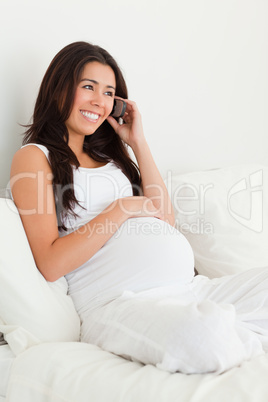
x=198, y=70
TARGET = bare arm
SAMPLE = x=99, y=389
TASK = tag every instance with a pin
x=152, y=182
x=31, y=184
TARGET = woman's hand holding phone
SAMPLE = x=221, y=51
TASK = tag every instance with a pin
x=153, y=186
x=131, y=132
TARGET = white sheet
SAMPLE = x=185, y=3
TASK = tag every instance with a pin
x=6, y=360
x=205, y=326
x=82, y=372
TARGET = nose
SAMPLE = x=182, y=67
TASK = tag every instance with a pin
x=98, y=99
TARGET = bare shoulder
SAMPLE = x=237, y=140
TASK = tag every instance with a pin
x=29, y=158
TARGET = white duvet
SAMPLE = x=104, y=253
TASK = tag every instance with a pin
x=205, y=326
x=80, y=372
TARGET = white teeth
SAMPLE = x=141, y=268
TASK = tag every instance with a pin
x=91, y=116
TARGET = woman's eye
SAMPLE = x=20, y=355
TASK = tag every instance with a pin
x=109, y=93
x=88, y=87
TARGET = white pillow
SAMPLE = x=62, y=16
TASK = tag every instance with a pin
x=224, y=215
x=28, y=302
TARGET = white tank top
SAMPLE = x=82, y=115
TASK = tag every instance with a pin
x=95, y=189
x=144, y=253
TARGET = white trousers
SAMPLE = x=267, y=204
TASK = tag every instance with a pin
x=206, y=326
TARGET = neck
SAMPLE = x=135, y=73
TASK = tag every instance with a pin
x=77, y=146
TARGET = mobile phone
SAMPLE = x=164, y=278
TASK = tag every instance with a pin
x=119, y=108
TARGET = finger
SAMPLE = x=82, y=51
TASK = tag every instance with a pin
x=131, y=106
x=113, y=123
x=127, y=118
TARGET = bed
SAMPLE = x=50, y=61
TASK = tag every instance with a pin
x=224, y=215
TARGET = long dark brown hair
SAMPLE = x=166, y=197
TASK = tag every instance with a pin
x=53, y=107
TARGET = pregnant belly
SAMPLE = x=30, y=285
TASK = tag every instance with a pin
x=144, y=253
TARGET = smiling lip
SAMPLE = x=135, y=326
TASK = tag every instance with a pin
x=93, y=117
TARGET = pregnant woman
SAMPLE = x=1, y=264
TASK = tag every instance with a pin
x=107, y=224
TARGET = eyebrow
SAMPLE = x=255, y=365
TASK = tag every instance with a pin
x=96, y=82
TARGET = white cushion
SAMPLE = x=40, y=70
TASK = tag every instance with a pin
x=224, y=215
x=42, y=311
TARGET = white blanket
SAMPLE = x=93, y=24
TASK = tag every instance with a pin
x=206, y=326
x=80, y=372
x=6, y=359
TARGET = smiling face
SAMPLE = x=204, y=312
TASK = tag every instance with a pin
x=93, y=101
